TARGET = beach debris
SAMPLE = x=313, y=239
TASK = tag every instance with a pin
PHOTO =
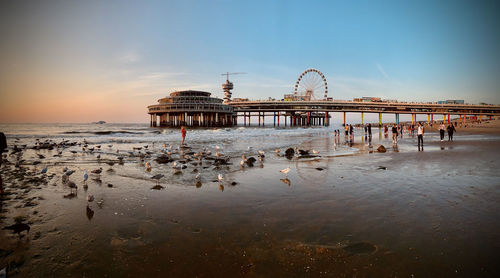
x=381, y=149
x=163, y=159
x=220, y=177
x=285, y=171
x=359, y=248
x=110, y=185
x=382, y=168
x=18, y=228
x=277, y=150
x=157, y=187
x=289, y=153
x=319, y=168
x=315, y=152
x=44, y=170
x=148, y=167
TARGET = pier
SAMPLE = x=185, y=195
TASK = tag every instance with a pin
x=303, y=113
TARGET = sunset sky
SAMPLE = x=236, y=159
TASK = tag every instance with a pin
x=83, y=61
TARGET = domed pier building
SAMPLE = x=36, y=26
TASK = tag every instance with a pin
x=191, y=108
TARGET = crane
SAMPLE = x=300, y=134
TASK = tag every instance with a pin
x=228, y=86
x=227, y=74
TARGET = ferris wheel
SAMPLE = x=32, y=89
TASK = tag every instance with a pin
x=311, y=85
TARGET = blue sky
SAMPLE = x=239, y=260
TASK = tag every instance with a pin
x=130, y=53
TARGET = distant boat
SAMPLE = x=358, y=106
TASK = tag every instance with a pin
x=99, y=122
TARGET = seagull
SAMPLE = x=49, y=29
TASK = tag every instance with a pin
x=197, y=177
x=90, y=198
x=220, y=177
x=157, y=178
x=69, y=172
x=97, y=171
x=85, y=176
x=44, y=170
x=285, y=171
x=242, y=163
x=72, y=185
x=261, y=153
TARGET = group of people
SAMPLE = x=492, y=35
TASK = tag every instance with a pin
x=397, y=130
x=450, y=129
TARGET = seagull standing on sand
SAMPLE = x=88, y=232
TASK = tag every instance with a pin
x=85, y=176
x=285, y=171
x=90, y=198
x=72, y=186
x=220, y=177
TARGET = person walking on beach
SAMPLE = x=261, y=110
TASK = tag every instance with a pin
x=369, y=130
x=420, y=136
x=441, y=131
x=366, y=129
x=183, y=133
x=451, y=129
x=394, y=134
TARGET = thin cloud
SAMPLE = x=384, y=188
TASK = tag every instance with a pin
x=382, y=71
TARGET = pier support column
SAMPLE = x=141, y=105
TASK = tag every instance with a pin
x=397, y=119
x=274, y=118
x=444, y=118
x=448, y=118
x=343, y=118
x=432, y=117
x=361, y=118
x=308, y=120
x=325, y=123
x=327, y=119
x=259, y=118
x=379, y=119
x=263, y=118
x=278, y=118
x=428, y=118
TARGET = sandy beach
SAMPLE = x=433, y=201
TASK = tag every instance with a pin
x=350, y=211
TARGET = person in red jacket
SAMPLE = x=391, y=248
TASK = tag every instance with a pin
x=183, y=133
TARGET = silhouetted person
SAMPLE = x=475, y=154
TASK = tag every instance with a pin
x=441, y=131
x=394, y=134
x=420, y=136
x=370, y=130
x=451, y=129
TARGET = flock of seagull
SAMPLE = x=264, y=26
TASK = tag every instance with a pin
x=180, y=156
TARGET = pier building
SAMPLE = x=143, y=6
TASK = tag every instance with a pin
x=191, y=108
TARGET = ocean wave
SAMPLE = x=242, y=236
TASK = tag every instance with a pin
x=104, y=132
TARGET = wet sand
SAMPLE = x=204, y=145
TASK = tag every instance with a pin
x=401, y=213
